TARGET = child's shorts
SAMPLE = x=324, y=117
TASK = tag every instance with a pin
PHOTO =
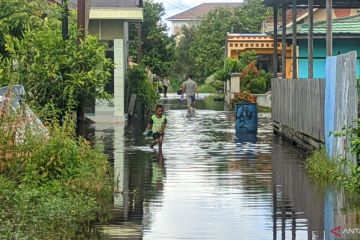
x=156, y=135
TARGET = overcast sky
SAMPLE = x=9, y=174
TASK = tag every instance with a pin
x=173, y=7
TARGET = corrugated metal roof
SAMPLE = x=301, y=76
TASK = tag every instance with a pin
x=340, y=26
x=201, y=10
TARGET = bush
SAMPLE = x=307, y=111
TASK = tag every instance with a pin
x=139, y=84
x=56, y=73
x=51, y=187
x=254, y=81
x=206, y=88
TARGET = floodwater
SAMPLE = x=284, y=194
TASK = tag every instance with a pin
x=209, y=183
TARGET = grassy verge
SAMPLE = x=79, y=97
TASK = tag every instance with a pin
x=207, y=89
x=51, y=187
x=264, y=109
x=327, y=171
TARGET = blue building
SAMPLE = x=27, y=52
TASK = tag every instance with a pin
x=346, y=38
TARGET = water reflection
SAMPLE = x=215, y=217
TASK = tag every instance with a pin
x=211, y=183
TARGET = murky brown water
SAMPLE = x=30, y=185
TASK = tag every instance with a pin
x=208, y=184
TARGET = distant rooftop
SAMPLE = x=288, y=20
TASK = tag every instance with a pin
x=201, y=10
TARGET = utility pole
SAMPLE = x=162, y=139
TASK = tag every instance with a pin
x=80, y=120
x=65, y=20
x=81, y=18
x=139, y=47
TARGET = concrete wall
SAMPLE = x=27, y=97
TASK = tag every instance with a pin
x=340, y=45
x=107, y=29
x=116, y=31
x=232, y=86
x=264, y=100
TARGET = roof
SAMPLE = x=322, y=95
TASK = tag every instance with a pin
x=201, y=10
x=340, y=26
x=317, y=3
x=247, y=35
x=115, y=3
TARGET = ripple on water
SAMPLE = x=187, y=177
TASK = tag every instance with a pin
x=208, y=184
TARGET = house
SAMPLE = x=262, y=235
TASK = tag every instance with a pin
x=303, y=17
x=109, y=20
x=195, y=14
x=346, y=37
x=262, y=44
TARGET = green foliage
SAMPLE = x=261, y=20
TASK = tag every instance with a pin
x=158, y=48
x=323, y=169
x=185, y=63
x=57, y=72
x=252, y=80
x=230, y=66
x=256, y=84
x=18, y=15
x=175, y=84
x=206, y=88
x=140, y=85
x=208, y=47
x=341, y=172
x=51, y=186
x=235, y=65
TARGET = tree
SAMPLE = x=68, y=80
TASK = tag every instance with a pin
x=158, y=48
x=16, y=15
x=208, y=47
x=184, y=61
x=56, y=74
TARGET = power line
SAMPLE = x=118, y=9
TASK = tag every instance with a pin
x=179, y=4
x=181, y=8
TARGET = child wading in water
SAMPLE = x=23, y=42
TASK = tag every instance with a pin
x=157, y=124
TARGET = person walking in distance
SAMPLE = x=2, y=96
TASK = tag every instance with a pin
x=190, y=88
x=166, y=84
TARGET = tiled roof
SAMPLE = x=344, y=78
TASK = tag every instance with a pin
x=201, y=10
x=340, y=26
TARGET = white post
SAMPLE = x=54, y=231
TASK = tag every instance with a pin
x=119, y=78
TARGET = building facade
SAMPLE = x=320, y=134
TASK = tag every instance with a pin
x=263, y=45
x=346, y=38
x=194, y=15
x=109, y=20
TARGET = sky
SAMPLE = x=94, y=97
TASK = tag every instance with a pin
x=173, y=7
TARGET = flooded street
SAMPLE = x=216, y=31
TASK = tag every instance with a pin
x=211, y=184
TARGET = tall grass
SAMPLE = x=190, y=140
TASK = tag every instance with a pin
x=337, y=172
x=52, y=186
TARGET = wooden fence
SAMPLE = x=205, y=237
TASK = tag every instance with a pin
x=298, y=106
